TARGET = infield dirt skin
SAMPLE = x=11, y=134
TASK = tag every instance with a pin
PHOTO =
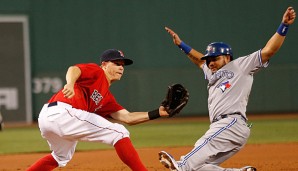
x=265, y=157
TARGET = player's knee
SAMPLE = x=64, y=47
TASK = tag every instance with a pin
x=62, y=161
x=63, y=158
x=120, y=132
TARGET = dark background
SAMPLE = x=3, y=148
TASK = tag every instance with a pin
x=66, y=32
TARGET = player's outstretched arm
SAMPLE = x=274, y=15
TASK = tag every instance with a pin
x=133, y=118
x=276, y=41
x=192, y=54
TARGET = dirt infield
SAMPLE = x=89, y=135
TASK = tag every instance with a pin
x=269, y=157
x=266, y=157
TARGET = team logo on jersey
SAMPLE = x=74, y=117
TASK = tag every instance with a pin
x=96, y=97
x=225, y=85
x=219, y=75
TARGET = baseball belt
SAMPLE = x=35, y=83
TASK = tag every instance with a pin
x=53, y=104
x=227, y=115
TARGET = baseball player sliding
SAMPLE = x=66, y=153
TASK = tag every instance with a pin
x=78, y=113
x=229, y=85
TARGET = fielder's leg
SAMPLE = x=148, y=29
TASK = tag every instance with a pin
x=129, y=155
x=47, y=163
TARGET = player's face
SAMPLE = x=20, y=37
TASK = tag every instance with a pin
x=114, y=69
x=215, y=63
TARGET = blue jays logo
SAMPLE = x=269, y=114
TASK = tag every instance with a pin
x=96, y=97
x=220, y=74
x=224, y=85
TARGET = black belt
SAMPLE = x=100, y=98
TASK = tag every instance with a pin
x=53, y=104
x=226, y=115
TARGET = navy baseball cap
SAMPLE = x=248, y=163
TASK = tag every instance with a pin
x=114, y=54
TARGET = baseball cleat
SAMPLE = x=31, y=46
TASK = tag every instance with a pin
x=248, y=168
x=168, y=161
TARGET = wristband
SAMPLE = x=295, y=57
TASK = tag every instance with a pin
x=282, y=29
x=153, y=114
x=186, y=49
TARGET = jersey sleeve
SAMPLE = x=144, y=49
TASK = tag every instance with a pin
x=251, y=63
x=88, y=71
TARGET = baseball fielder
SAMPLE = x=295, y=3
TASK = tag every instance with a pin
x=78, y=113
x=229, y=86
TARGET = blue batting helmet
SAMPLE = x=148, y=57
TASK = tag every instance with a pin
x=216, y=49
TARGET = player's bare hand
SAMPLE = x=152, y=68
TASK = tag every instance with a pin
x=176, y=39
x=163, y=112
x=289, y=16
x=68, y=91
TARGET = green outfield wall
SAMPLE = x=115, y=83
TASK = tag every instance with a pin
x=66, y=32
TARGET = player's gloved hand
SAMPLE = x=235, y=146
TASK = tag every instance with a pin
x=163, y=112
x=175, y=100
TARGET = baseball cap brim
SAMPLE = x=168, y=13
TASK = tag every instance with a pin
x=207, y=56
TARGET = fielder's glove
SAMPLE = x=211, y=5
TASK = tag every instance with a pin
x=176, y=99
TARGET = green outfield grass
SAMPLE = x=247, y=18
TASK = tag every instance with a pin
x=184, y=133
